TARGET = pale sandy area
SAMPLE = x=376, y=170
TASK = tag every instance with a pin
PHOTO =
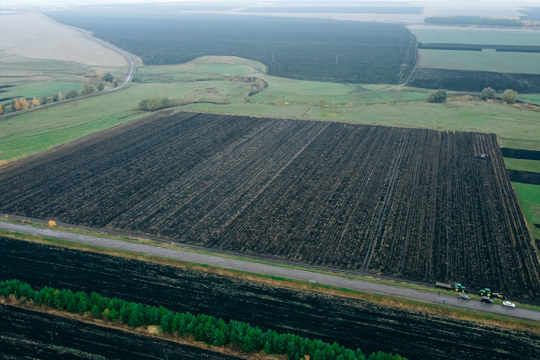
x=34, y=35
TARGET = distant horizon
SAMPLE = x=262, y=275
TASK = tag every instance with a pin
x=252, y=3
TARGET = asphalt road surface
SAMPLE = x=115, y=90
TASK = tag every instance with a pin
x=258, y=268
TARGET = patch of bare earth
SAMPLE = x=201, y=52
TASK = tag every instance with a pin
x=34, y=35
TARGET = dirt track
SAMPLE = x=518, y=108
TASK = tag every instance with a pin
x=259, y=268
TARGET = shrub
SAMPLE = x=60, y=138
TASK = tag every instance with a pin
x=154, y=104
x=438, y=96
x=509, y=96
x=487, y=93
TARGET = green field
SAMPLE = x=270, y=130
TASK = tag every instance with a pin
x=221, y=84
x=31, y=77
x=474, y=35
x=522, y=164
x=532, y=98
x=529, y=198
x=487, y=60
x=490, y=60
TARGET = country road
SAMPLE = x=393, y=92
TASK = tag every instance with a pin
x=273, y=270
x=127, y=80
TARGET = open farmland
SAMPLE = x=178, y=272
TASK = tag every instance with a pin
x=412, y=204
x=308, y=49
x=465, y=70
x=350, y=322
x=472, y=80
x=46, y=58
x=35, y=335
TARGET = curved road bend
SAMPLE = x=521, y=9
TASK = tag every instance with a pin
x=129, y=77
x=254, y=267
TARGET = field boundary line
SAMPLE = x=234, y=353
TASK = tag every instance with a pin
x=323, y=279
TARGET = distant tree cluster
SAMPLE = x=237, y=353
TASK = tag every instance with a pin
x=202, y=327
x=22, y=103
x=438, y=96
x=487, y=93
x=509, y=96
x=154, y=104
x=473, y=20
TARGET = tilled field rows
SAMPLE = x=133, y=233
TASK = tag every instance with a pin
x=35, y=335
x=415, y=204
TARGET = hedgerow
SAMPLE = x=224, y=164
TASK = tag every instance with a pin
x=201, y=327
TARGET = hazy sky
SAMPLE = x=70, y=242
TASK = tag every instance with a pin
x=85, y=2
x=462, y=3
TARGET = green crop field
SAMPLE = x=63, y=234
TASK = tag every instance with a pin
x=522, y=164
x=529, y=198
x=488, y=60
x=24, y=77
x=473, y=70
x=474, y=35
x=532, y=98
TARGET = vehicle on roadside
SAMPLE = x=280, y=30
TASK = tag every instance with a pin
x=499, y=296
x=487, y=300
x=509, y=304
x=463, y=297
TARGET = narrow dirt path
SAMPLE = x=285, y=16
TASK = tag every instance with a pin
x=272, y=270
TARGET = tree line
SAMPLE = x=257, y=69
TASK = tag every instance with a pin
x=19, y=104
x=201, y=327
x=509, y=96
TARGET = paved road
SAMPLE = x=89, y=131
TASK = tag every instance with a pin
x=254, y=267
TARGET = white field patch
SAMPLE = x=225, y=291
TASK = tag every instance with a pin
x=33, y=35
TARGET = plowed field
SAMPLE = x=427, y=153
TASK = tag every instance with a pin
x=32, y=335
x=353, y=323
x=413, y=204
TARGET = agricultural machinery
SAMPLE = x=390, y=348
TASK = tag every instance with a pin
x=460, y=288
x=487, y=292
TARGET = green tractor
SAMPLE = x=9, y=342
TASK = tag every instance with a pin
x=460, y=288
x=485, y=292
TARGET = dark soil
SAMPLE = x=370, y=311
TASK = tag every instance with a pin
x=524, y=177
x=28, y=334
x=406, y=203
x=521, y=154
x=353, y=323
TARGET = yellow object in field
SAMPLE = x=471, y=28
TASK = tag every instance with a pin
x=52, y=223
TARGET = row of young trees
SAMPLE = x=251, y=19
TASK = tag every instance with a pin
x=202, y=327
x=20, y=104
x=23, y=103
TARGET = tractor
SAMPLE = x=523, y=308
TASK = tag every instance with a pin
x=485, y=292
x=494, y=295
x=460, y=288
